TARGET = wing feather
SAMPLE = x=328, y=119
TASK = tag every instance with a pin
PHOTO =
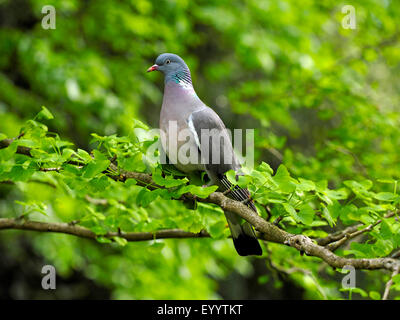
x=207, y=119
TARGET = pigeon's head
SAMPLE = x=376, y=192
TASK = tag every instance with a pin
x=171, y=65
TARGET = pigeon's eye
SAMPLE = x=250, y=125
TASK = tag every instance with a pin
x=167, y=61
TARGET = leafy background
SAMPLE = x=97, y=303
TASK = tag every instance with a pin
x=322, y=99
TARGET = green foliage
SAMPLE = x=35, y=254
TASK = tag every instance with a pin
x=323, y=101
x=305, y=206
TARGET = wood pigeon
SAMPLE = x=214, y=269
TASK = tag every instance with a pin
x=213, y=152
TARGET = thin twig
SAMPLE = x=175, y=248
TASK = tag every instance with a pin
x=73, y=229
x=389, y=284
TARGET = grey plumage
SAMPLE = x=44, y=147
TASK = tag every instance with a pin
x=208, y=141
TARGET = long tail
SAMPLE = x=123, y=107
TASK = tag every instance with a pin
x=243, y=235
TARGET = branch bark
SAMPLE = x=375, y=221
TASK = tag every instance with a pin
x=79, y=231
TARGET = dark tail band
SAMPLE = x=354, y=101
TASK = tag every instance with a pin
x=246, y=245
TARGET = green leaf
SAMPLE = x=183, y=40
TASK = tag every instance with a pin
x=167, y=181
x=292, y=211
x=285, y=182
x=84, y=155
x=244, y=181
x=375, y=295
x=305, y=185
x=101, y=239
x=270, y=197
x=18, y=173
x=321, y=186
x=360, y=291
x=396, y=279
x=360, y=188
x=33, y=206
x=139, y=124
x=323, y=197
x=382, y=248
x=327, y=215
x=132, y=163
x=265, y=167
x=9, y=152
x=360, y=250
x=67, y=153
x=339, y=194
x=145, y=197
x=201, y=192
x=130, y=182
x=71, y=169
x=315, y=233
x=231, y=176
x=259, y=177
x=385, y=231
x=306, y=214
x=217, y=229
x=385, y=196
x=95, y=167
x=98, y=155
x=367, y=184
x=96, y=214
x=100, y=184
x=120, y=241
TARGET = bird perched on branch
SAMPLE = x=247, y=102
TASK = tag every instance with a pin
x=188, y=126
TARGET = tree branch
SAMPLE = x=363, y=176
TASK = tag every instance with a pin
x=337, y=235
x=268, y=231
x=73, y=229
x=353, y=232
x=20, y=149
x=389, y=284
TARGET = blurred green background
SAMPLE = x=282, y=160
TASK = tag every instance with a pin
x=324, y=101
